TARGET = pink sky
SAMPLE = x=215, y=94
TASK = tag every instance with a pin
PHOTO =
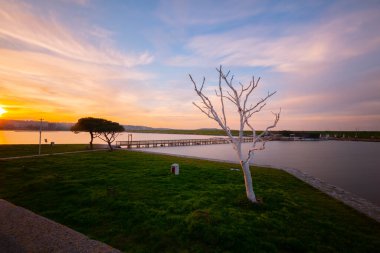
x=129, y=62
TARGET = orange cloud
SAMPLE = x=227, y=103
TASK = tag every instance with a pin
x=53, y=72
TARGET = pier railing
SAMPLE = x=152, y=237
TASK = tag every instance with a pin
x=174, y=143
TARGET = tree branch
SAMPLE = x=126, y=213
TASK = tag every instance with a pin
x=239, y=99
x=254, y=85
x=259, y=138
x=261, y=101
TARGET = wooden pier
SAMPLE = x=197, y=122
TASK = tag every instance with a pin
x=176, y=143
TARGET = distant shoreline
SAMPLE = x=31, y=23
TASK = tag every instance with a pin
x=364, y=136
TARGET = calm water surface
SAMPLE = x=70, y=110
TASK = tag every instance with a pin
x=353, y=166
x=67, y=137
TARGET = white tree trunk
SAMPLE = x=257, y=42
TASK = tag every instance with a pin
x=239, y=98
x=248, y=182
x=247, y=175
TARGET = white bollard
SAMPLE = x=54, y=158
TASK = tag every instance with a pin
x=175, y=169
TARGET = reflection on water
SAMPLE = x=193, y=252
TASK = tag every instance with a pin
x=67, y=137
x=353, y=166
x=32, y=137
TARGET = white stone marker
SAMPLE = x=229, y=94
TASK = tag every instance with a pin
x=175, y=169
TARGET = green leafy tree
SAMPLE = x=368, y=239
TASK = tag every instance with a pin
x=98, y=128
x=89, y=125
x=109, y=131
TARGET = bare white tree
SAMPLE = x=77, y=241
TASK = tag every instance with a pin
x=238, y=97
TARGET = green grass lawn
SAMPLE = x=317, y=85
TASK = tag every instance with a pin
x=29, y=149
x=130, y=201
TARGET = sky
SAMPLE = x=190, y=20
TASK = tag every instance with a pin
x=129, y=61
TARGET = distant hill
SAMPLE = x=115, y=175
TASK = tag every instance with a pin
x=143, y=128
x=33, y=125
x=56, y=126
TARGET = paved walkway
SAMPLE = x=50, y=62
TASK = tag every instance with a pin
x=22, y=231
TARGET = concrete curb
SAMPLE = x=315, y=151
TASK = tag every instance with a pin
x=360, y=204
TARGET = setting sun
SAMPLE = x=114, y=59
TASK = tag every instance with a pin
x=2, y=111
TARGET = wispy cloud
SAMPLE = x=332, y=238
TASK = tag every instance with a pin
x=292, y=49
x=128, y=61
x=48, y=69
x=50, y=82
x=78, y=2
x=20, y=24
x=181, y=13
x=317, y=66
